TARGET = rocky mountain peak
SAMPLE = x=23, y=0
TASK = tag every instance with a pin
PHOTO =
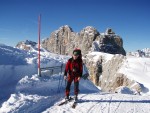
x=109, y=31
x=89, y=31
x=64, y=40
x=64, y=29
x=111, y=43
x=26, y=45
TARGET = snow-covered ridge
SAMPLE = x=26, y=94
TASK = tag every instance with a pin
x=26, y=45
x=97, y=55
x=137, y=69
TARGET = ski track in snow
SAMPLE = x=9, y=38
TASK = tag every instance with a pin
x=109, y=103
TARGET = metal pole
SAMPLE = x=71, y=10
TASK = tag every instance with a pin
x=61, y=68
x=39, y=28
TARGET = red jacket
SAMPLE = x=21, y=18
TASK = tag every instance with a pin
x=74, y=67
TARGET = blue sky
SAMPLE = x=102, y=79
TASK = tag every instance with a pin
x=128, y=18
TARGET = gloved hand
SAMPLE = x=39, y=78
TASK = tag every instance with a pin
x=79, y=78
x=65, y=77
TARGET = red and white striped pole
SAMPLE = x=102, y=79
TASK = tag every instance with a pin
x=39, y=29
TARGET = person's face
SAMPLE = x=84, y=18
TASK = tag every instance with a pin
x=75, y=57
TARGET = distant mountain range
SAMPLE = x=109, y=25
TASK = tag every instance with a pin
x=140, y=53
x=28, y=45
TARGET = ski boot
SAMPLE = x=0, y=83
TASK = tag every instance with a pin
x=76, y=98
x=67, y=98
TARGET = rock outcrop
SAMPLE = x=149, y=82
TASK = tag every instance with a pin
x=111, y=43
x=26, y=45
x=61, y=41
x=64, y=40
x=104, y=72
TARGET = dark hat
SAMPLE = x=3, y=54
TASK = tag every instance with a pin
x=76, y=53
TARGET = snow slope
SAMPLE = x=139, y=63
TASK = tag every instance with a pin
x=15, y=64
x=23, y=91
x=138, y=69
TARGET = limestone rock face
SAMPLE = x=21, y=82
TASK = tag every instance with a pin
x=86, y=38
x=104, y=72
x=111, y=43
x=64, y=41
x=59, y=40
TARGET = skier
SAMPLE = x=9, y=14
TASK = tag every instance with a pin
x=74, y=70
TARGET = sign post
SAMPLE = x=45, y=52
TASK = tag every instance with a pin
x=39, y=29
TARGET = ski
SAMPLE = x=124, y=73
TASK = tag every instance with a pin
x=66, y=101
x=74, y=105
